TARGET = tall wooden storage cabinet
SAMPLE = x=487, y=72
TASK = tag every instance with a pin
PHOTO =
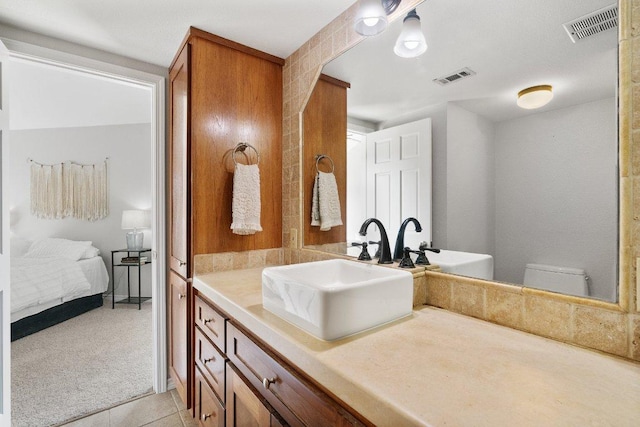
x=221, y=93
x=325, y=132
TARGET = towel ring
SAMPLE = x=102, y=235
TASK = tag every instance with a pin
x=323, y=156
x=240, y=148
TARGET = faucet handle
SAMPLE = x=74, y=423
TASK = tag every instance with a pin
x=424, y=246
x=422, y=258
x=406, y=262
x=364, y=254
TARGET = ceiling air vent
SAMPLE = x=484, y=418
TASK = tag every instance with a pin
x=460, y=74
x=593, y=23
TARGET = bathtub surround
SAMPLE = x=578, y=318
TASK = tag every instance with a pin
x=575, y=320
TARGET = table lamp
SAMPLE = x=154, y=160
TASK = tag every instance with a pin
x=133, y=220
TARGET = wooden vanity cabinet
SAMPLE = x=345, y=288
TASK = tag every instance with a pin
x=221, y=93
x=245, y=407
x=207, y=408
x=178, y=331
x=261, y=388
x=210, y=364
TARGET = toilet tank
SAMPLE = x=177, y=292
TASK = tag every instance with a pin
x=571, y=281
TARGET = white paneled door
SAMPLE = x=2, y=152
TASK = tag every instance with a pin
x=5, y=319
x=399, y=180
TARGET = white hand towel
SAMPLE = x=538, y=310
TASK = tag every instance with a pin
x=315, y=204
x=245, y=207
x=325, y=203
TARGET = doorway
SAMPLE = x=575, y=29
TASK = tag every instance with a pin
x=154, y=83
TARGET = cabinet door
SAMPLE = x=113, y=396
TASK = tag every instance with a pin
x=244, y=408
x=178, y=344
x=208, y=409
x=210, y=363
x=179, y=190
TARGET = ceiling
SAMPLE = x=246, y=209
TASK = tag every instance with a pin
x=511, y=45
x=47, y=96
x=152, y=30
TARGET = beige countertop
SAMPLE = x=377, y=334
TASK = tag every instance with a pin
x=439, y=368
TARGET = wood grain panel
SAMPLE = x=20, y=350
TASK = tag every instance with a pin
x=210, y=363
x=179, y=367
x=325, y=132
x=179, y=189
x=298, y=402
x=211, y=322
x=208, y=411
x=235, y=97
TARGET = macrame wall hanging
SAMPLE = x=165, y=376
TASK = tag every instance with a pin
x=69, y=189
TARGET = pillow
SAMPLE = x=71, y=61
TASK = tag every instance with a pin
x=52, y=247
x=90, y=252
x=19, y=246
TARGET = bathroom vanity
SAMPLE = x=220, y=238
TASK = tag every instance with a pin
x=432, y=368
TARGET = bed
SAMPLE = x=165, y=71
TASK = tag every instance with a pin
x=53, y=280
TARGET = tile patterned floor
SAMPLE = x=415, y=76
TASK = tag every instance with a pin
x=155, y=410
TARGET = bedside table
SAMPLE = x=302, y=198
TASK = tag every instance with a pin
x=133, y=262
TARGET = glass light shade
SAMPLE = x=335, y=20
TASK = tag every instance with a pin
x=371, y=19
x=135, y=219
x=411, y=41
x=535, y=96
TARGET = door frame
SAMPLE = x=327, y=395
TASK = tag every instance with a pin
x=156, y=83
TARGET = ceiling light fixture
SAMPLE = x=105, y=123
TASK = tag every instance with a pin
x=411, y=42
x=371, y=17
x=535, y=96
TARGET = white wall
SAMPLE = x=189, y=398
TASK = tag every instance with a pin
x=356, y=184
x=439, y=178
x=470, y=189
x=556, y=193
x=130, y=184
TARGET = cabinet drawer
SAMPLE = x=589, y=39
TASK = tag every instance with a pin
x=208, y=410
x=210, y=322
x=296, y=400
x=211, y=363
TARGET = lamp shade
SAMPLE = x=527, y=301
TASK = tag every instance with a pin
x=371, y=18
x=133, y=219
x=411, y=41
x=535, y=96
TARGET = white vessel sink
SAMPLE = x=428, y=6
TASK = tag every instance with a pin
x=335, y=298
x=463, y=263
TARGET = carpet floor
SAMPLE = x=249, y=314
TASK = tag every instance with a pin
x=81, y=366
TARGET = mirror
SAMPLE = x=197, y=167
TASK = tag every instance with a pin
x=525, y=186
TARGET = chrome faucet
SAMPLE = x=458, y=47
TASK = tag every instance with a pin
x=399, y=249
x=385, y=251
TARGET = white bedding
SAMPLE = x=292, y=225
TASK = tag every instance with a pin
x=41, y=283
x=40, y=280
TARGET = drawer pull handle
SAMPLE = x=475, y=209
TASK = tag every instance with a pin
x=204, y=417
x=211, y=359
x=205, y=321
x=266, y=382
x=180, y=296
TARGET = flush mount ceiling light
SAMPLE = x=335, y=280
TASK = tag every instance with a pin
x=535, y=96
x=371, y=18
x=411, y=41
